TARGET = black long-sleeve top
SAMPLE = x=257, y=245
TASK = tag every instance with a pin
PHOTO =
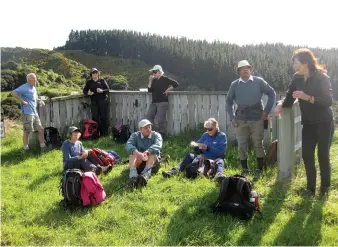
x=158, y=88
x=93, y=86
x=317, y=85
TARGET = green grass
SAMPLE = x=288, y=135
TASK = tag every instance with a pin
x=167, y=212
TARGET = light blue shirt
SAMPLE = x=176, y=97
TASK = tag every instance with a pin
x=28, y=93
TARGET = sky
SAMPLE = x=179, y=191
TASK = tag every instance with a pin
x=47, y=24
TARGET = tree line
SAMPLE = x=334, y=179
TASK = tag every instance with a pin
x=198, y=63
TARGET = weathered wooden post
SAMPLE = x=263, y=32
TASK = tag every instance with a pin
x=286, y=144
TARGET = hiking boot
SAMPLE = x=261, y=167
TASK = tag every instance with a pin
x=219, y=177
x=132, y=181
x=107, y=169
x=308, y=193
x=170, y=173
x=258, y=174
x=245, y=172
x=324, y=191
x=146, y=173
x=98, y=170
x=141, y=181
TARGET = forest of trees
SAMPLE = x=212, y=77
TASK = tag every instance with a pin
x=199, y=64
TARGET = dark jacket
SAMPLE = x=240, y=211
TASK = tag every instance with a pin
x=93, y=86
x=158, y=88
x=317, y=85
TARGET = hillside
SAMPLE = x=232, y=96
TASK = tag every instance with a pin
x=60, y=73
x=69, y=68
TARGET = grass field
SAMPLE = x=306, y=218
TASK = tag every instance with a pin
x=167, y=212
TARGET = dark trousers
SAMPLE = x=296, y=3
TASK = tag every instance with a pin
x=188, y=158
x=313, y=134
x=99, y=111
x=82, y=164
x=332, y=134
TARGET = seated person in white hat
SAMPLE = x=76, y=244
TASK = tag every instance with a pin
x=143, y=147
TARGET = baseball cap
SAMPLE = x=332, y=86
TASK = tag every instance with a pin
x=143, y=123
x=157, y=67
x=72, y=129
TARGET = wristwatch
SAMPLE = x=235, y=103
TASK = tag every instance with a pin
x=309, y=99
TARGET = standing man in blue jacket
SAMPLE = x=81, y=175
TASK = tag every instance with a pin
x=211, y=144
x=248, y=120
x=143, y=147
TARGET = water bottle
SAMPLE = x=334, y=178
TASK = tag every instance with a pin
x=254, y=199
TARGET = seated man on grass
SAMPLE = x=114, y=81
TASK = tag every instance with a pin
x=143, y=147
x=211, y=146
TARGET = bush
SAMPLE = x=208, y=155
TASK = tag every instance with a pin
x=11, y=107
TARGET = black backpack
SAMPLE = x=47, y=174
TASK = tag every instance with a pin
x=71, y=189
x=234, y=198
x=121, y=133
x=52, y=138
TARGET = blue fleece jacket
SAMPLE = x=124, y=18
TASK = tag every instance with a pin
x=153, y=143
x=216, y=145
x=71, y=150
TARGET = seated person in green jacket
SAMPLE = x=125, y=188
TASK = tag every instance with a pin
x=143, y=147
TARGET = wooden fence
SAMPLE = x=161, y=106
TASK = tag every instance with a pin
x=187, y=110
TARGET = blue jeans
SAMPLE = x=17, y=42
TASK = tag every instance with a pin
x=188, y=158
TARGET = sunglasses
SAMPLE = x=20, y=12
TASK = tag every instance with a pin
x=95, y=72
x=209, y=129
x=154, y=71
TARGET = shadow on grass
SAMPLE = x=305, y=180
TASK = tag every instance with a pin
x=45, y=178
x=16, y=156
x=195, y=219
x=304, y=228
x=195, y=224
x=272, y=205
x=118, y=184
x=56, y=216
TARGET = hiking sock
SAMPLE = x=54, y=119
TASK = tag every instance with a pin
x=260, y=163
x=146, y=173
x=133, y=172
x=244, y=164
x=25, y=147
x=42, y=145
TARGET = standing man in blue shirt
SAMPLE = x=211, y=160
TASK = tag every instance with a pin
x=28, y=98
x=248, y=120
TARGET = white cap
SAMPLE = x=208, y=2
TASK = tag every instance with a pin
x=143, y=123
x=243, y=63
x=157, y=67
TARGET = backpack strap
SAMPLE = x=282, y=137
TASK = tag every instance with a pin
x=240, y=186
x=223, y=190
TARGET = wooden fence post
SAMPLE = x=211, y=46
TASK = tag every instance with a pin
x=286, y=144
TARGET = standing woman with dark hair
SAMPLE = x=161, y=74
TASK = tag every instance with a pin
x=98, y=90
x=312, y=87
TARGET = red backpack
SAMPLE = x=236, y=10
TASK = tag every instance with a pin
x=100, y=157
x=91, y=130
x=92, y=191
